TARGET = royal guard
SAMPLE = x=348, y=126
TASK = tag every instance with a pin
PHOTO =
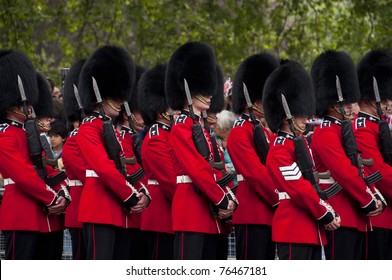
x=334, y=149
x=28, y=200
x=302, y=216
x=157, y=163
x=52, y=240
x=374, y=141
x=252, y=219
x=199, y=202
x=106, y=79
x=221, y=173
x=130, y=126
x=72, y=158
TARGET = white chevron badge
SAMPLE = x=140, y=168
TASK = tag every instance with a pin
x=291, y=172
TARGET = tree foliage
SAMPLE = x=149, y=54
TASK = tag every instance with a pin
x=55, y=33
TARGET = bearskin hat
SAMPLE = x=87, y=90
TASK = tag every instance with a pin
x=133, y=101
x=378, y=64
x=253, y=71
x=195, y=62
x=324, y=70
x=294, y=82
x=151, y=93
x=218, y=99
x=45, y=105
x=113, y=69
x=12, y=64
x=71, y=107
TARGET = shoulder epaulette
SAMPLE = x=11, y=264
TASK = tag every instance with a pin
x=3, y=127
x=154, y=131
x=181, y=119
x=88, y=119
x=239, y=122
x=360, y=122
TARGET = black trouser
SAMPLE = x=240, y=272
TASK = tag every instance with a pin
x=21, y=245
x=254, y=242
x=222, y=247
x=296, y=251
x=345, y=244
x=379, y=244
x=160, y=245
x=195, y=246
x=51, y=245
x=78, y=248
x=103, y=242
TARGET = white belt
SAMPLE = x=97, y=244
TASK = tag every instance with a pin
x=8, y=181
x=91, y=173
x=283, y=195
x=327, y=181
x=73, y=183
x=183, y=179
x=240, y=178
x=152, y=182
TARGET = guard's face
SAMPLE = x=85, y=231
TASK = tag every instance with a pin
x=300, y=124
x=348, y=109
x=201, y=103
x=137, y=121
x=112, y=107
x=44, y=123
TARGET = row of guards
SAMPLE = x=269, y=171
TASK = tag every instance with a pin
x=169, y=194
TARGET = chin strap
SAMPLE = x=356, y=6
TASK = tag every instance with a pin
x=202, y=100
x=110, y=103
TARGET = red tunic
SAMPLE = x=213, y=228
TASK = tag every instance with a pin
x=295, y=219
x=134, y=220
x=366, y=133
x=329, y=155
x=158, y=166
x=76, y=170
x=256, y=193
x=26, y=194
x=190, y=207
x=103, y=196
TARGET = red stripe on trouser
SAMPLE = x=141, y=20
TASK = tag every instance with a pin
x=93, y=238
x=182, y=245
x=246, y=242
x=157, y=246
x=13, y=245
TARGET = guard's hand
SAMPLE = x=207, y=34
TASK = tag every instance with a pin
x=378, y=210
x=141, y=205
x=225, y=213
x=59, y=207
x=334, y=225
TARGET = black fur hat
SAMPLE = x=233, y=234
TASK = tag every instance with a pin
x=133, y=101
x=378, y=64
x=325, y=68
x=113, y=69
x=71, y=107
x=45, y=105
x=12, y=64
x=218, y=99
x=294, y=82
x=253, y=71
x=151, y=93
x=195, y=62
